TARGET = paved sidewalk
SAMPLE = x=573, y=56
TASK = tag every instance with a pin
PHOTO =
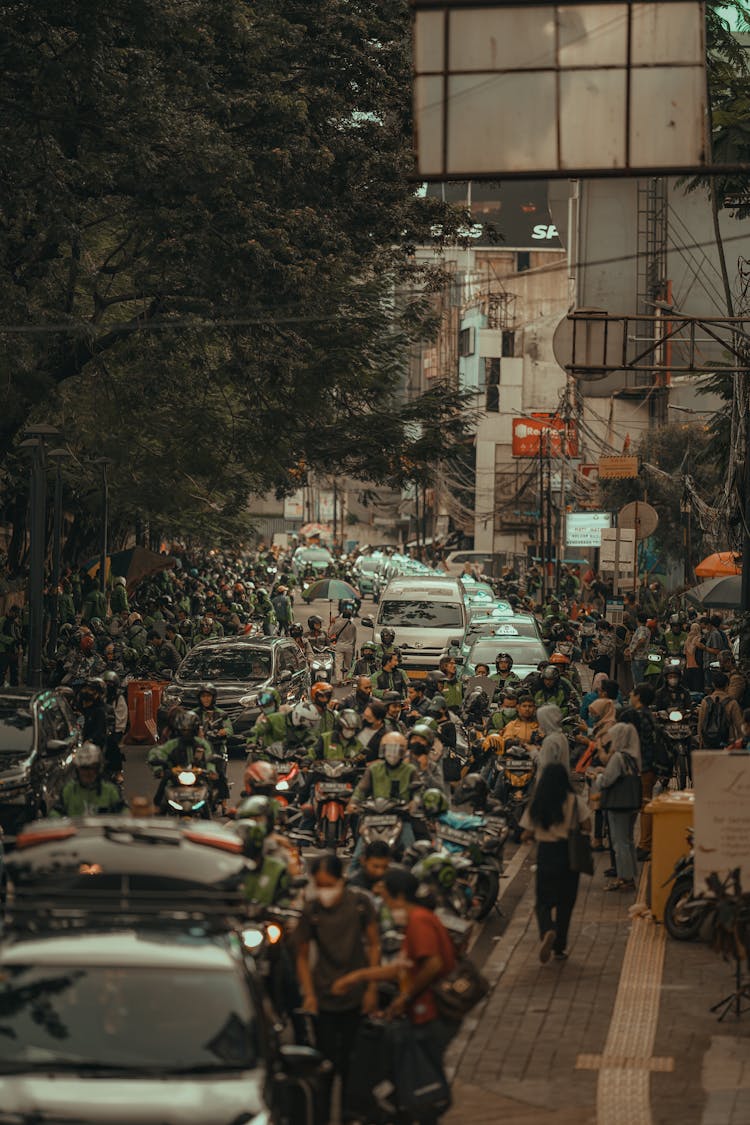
x=620, y=1034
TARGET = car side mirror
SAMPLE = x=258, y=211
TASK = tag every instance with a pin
x=455, y=642
x=367, y=622
x=285, y=677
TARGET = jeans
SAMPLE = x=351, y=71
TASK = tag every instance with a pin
x=638, y=670
x=621, y=828
x=556, y=890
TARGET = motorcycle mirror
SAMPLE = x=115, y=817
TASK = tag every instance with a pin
x=285, y=677
x=367, y=622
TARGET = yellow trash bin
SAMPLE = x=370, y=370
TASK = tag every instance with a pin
x=673, y=815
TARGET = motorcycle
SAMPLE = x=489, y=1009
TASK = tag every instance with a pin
x=220, y=751
x=383, y=819
x=481, y=840
x=322, y=665
x=284, y=781
x=654, y=663
x=517, y=770
x=679, y=728
x=188, y=792
x=684, y=915
x=333, y=784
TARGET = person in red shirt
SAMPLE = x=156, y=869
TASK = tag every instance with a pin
x=428, y=955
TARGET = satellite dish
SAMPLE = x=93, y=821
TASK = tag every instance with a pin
x=640, y=517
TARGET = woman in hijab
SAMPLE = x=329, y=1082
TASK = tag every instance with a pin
x=621, y=751
x=554, y=746
x=694, y=659
x=590, y=696
x=603, y=714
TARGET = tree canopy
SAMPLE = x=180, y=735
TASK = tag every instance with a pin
x=206, y=235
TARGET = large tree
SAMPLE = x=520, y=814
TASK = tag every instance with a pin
x=205, y=221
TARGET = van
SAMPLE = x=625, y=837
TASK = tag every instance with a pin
x=481, y=562
x=427, y=614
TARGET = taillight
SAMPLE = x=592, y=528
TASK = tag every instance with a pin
x=31, y=839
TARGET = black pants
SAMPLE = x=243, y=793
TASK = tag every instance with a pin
x=556, y=890
x=335, y=1034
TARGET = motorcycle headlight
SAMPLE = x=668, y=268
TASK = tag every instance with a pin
x=282, y=786
x=675, y=716
x=274, y=933
x=252, y=938
x=175, y=805
x=187, y=777
x=199, y=804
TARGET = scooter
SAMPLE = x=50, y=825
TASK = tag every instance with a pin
x=383, y=819
x=188, y=793
x=684, y=914
x=679, y=728
x=333, y=784
x=517, y=771
x=322, y=665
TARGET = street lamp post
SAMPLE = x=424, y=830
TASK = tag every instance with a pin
x=104, y=462
x=36, y=436
x=56, y=456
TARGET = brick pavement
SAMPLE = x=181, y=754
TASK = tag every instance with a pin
x=516, y=1062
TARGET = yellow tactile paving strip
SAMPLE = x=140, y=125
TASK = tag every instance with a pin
x=625, y=1066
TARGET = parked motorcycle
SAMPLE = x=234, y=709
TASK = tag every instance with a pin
x=684, y=914
x=517, y=770
x=188, y=793
x=333, y=784
x=481, y=840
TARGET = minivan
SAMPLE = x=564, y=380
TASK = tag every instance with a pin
x=427, y=614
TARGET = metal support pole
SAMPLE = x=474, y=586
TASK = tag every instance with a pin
x=745, y=586
x=548, y=491
x=56, y=556
x=542, y=548
x=36, y=566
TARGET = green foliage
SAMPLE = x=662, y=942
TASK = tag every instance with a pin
x=673, y=450
x=205, y=218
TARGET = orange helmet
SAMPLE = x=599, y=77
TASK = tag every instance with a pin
x=259, y=775
x=320, y=689
x=559, y=658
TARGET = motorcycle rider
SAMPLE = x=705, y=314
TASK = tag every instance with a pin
x=504, y=676
x=88, y=794
x=361, y=697
x=394, y=710
x=506, y=712
x=673, y=695
x=568, y=670
x=373, y=728
x=315, y=636
x=341, y=742
x=165, y=657
x=173, y=637
x=136, y=636
x=117, y=721
x=367, y=665
x=675, y=636
x=451, y=687
x=421, y=747
x=118, y=598
x=417, y=703
x=391, y=778
x=554, y=689
x=269, y=884
x=387, y=645
x=216, y=726
x=297, y=729
x=186, y=750
x=321, y=695
x=297, y=633
x=523, y=729
x=390, y=677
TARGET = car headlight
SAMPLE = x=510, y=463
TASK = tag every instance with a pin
x=252, y=938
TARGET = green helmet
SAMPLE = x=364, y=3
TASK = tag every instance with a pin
x=257, y=808
x=434, y=802
x=253, y=835
x=438, y=868
x=425, y=731
x=268, y=698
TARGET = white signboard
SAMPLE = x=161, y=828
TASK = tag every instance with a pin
x=584, y=529
x=294, y=506
x=325, y=512
x=722, y=814
x=609, y=548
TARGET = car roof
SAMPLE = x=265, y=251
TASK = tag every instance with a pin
x=507, y=644
x=241, y=642
x=127, y=948
x=423, y=587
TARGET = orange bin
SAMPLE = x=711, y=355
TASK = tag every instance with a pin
x=144, y=700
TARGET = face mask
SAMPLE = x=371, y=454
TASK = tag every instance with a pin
x=511, y=712
x=269, y=709
x=400, y=915
x=392, y=756
x=328, y=896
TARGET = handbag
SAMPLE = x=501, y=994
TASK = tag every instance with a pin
x=422, y=1090
x=624, y=795
x=459, y=991
x=580, y=856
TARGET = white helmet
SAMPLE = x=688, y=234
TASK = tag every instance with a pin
x=87, y=756
x=305, y=714
x=118, y=580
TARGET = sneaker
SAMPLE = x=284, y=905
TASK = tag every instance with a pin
x=562, y=956
x=545, y=949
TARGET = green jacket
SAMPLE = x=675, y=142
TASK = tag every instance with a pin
x=397, y=680
x=118, y=600
x=269, y=883
x=277, y=728
x=336, y=751
x=453, y=693
x=76, y=800
x=166, y=755
x=500, y=719
x=94, y=605
x=379, y=778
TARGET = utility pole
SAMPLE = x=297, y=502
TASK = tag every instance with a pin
x=335, y=498
x=38, y=521
x=56, y=456
x=548, y=491
x=542, y=547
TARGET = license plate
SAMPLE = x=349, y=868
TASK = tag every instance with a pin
x=380, y=821
x=517, y=764
x=678, y=732
x=455, y=835
x=333, y=789
x=185, y=794
x=416, y=673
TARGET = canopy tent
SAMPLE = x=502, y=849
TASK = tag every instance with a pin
x=720, y=565
x=133, y=565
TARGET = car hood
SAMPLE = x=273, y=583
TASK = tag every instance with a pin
x=227, y=690
x=176, y=1100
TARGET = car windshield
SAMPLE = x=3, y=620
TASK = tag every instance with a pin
x=524, y=651
x=125, y=1018
x=16, y=729
x=239, y=663
x=431, y=615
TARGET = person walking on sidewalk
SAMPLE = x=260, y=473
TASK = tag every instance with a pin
x=622, y=752
x=548, y=819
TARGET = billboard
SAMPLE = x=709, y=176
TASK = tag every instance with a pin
x=512, y=216
x=543, y=432
x=584, y=529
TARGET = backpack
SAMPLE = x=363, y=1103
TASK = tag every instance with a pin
x=715, y=724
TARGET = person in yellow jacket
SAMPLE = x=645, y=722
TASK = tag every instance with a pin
x=522, y=729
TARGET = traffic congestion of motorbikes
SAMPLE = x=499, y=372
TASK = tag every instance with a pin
x=388, y=752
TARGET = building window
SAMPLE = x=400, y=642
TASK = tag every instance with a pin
x=492, y=385
x=523, y=261
x=466, y=338
x=508, y=348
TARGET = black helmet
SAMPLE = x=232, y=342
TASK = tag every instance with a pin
x=423, y=731
x=186, y=723
x=95, y=687
x=207, y=689
x=551, y=674
x=387, y=636
x=296, y=630
x=438, y=706
x=503, y=656
x=314, y=620
x=472, y=790
x=112, y=682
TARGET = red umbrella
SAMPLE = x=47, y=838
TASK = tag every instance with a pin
x=719, y=565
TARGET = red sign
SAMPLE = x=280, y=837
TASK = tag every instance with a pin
x=546, y=432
